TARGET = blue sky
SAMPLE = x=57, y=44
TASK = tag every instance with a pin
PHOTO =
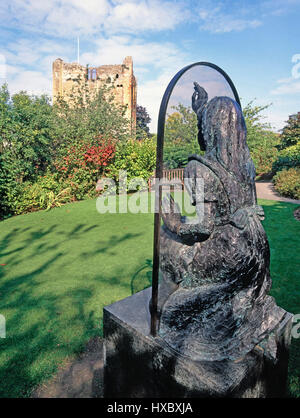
x=256, y=42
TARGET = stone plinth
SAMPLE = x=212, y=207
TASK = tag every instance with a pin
x=138, y=365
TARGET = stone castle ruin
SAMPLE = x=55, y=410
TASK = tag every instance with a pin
x=67, y=76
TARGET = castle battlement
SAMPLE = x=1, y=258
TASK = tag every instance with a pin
x=67, y=76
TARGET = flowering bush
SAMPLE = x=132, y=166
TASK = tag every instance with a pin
x=82, y=164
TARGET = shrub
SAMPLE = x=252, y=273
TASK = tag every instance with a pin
x=35, y=135
x=176, y=156
x=287, y=158
x=138, y=158
x=81, y=165
x=287, y=182
x=263, y=157
x=45, y=193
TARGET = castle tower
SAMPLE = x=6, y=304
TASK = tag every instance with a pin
x=120, y=77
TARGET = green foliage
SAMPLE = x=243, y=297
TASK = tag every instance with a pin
x=25, y=127
x=25, y=142
x=36, y=137
x=181, y=126
x=287, y=182
x=291, y=132
x=287, y=158
x=177, y=156
x=142, y=121
x=138, y=158
x=84, y=116
x=262, y=142
x=45, y=193
x=181, y=137
x=82, y=164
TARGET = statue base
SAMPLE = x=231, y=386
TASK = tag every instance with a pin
x=136, y=365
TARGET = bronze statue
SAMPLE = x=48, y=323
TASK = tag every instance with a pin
x=213, y=301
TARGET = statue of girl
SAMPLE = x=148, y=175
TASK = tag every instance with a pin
x=215, y=277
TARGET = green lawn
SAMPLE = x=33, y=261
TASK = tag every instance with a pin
x=61, y=267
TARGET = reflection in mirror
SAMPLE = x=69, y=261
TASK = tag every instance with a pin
x=190, y=93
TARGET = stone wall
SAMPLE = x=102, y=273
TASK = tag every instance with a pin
x=67, y=76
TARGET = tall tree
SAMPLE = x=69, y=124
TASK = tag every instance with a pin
x=261, y=140
x=181, y=133
x=291, y=132
x=142, y=120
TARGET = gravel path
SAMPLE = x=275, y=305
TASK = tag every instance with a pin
x=265, y=190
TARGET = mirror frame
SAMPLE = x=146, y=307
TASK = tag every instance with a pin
x=159, y=175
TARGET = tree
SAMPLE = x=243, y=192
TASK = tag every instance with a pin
x=25, y=142
x=261, y=140
x=142, y=120
x=291, y=132
x=181, y=137
x=181, y=126
x=84, y=115
x=35, y=136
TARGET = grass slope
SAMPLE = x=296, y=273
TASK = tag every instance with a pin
x=61, y=267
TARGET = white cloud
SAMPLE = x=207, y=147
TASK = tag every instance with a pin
x=150, y=15
x=289, y=86
x=279, y=7
x=76, y=17
x=29, y=64
x=34, y=82
x=154, y=54
x=216, y=20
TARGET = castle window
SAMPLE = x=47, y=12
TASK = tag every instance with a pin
x=117, y=76
x=92, y=74
x=119, y=85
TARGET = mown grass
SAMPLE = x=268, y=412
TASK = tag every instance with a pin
x=59, y=268
x=283, y=231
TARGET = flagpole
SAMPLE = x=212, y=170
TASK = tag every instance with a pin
x=78, y=49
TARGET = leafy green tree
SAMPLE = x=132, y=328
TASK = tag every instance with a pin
x=85, y=115
x=181, y=133
x=35, y=135
x=25, y=142
x=291, y=132
x=25, y=132
x=261, y=140
x=142, y=121
x=181, y=126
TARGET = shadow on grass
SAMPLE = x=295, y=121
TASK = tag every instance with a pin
x=142, y=278
x=47, y=324
x=45, y=327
